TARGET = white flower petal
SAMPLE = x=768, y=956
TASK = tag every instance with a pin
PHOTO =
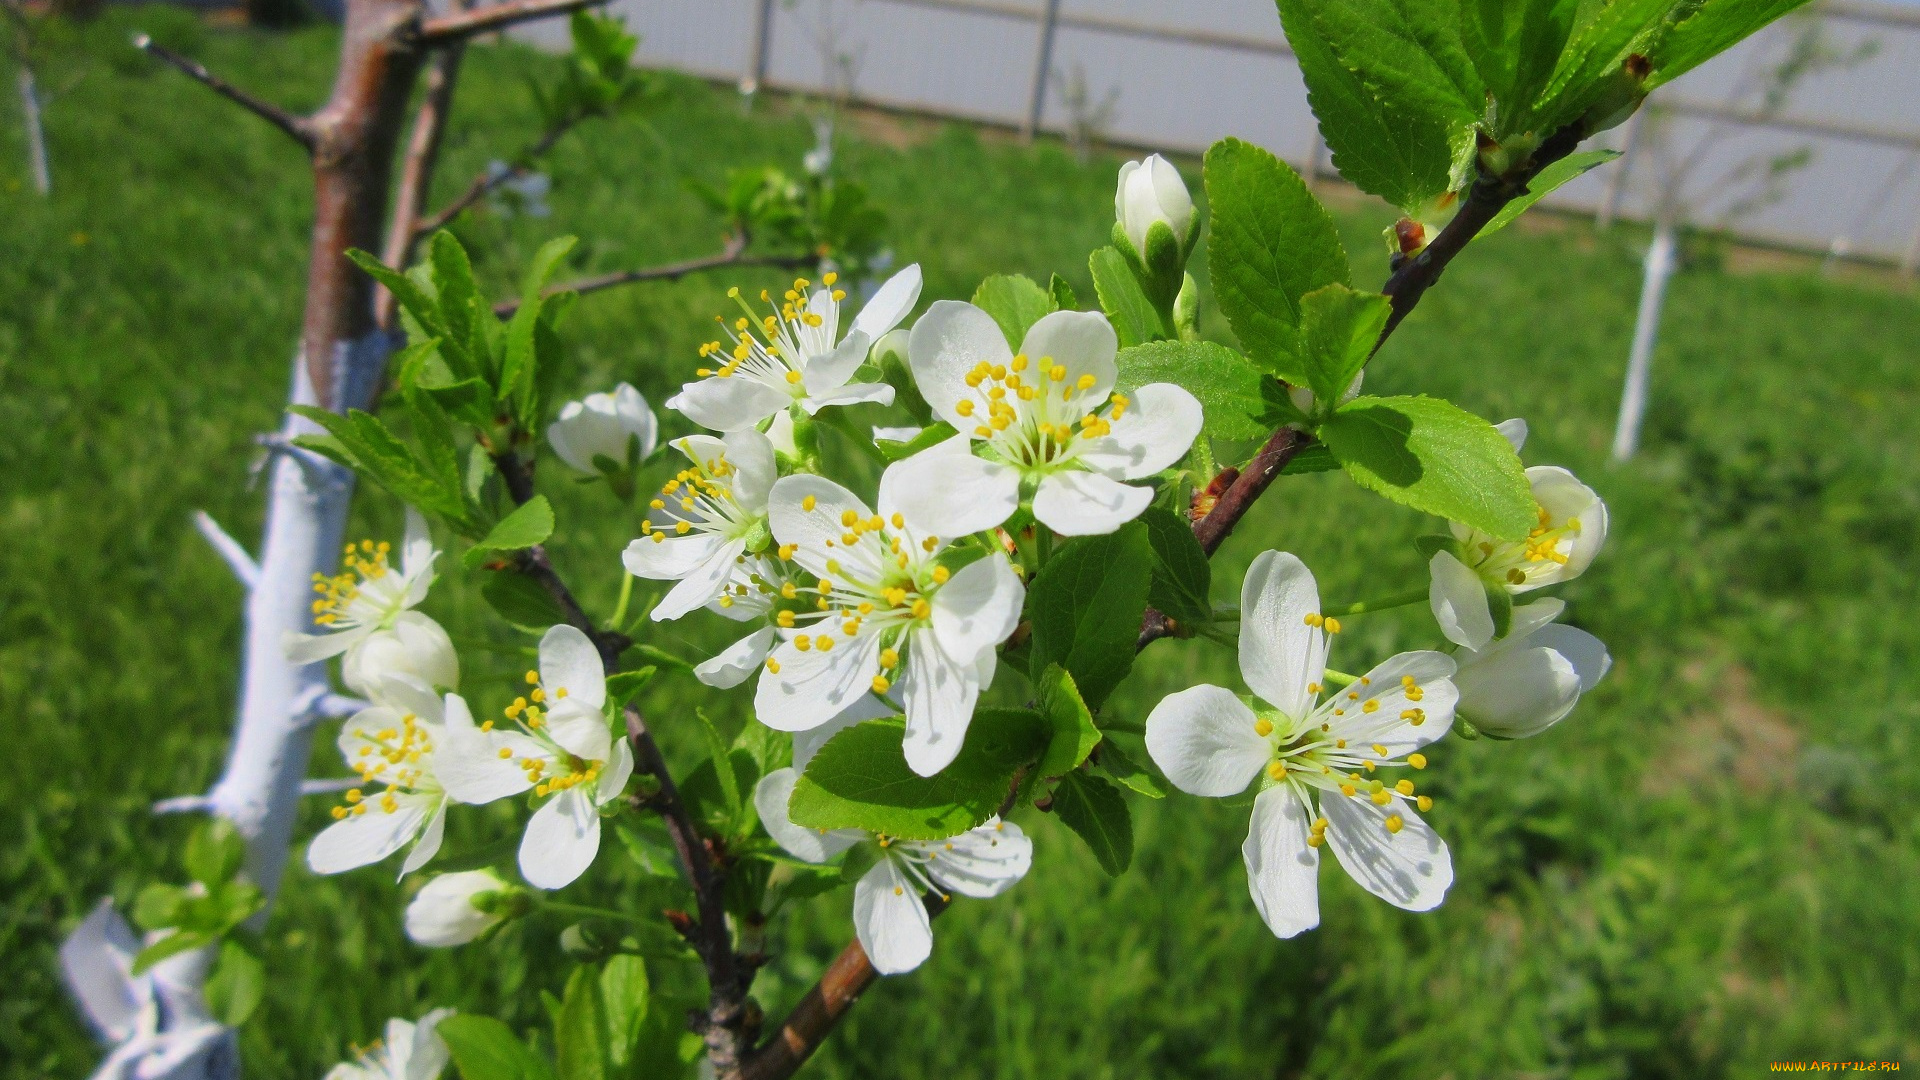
x=849, y=394
x=311, y=648
x=1459, y=602
x=1587, y=653
x=947, y=343
x=636, y=415
x=1530, y=618
x=1565, y=498
x=813, y=686
x=735, y=663
x=939, y=692
x=468, y=763
x=614, y=776
x=1155, y=431
x=728, y=404
x=670, y=557
x=891, y=303
x=978, y=607
x=1514, y=431
x=1410, y=869
x=1083, y=342
x=570, y=662
x=896, y=434
x=831, y=370
x=1513, y=692
x=770, y=797
x=751, y=455
x=1074, y=502
x=703, y=584
x=817, y=532
x=429, y=843
x=416, y=556
x=415, y=645
x=890, y=920
x=982, y=862
x=1283, y=870
x=1203, y=739
x=442, y=914
x=428, y=1054
x=1280, y=655
x=945, y=490
x=360, y=730
x=96, y=960
x=578, y=730
x=1388, y=723
x=361, y=839
x=562, y=838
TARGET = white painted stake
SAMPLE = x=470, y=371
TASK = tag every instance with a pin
x=1646, y=333
x=36, y=135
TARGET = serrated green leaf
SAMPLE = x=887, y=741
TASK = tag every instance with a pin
x=1237, y=400
x=1311, y=459
x=214, y=852
x=1436, y=457
x=1128, y=773
x=1554, y=175
x=718, y=750
x=414, y=300
x=1015, y=302
x=486, y=1049
x=1339, y=328
x=1713, y=28
x=708, y=802
x=649, y=848
x=1394, y=93
x=622, y=686
x=1590, y=66
x=861, y=779
x=530, y=523
x=1096, y=810
x=517, y=599
x=580, y=1031
x=1135, y=321
x=1272, y=244
x=1064, y=298
x=1182, y=577
x=1086, y=604
x=1515, y=45
x=625, y=992
x=1074, y=733
x=236, y=986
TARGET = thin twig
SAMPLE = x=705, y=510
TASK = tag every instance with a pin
x=732, y=255
x=459, y=26
x=416, y=170
x=300, y=128
x=486, y=183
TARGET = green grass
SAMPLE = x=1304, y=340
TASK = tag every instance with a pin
x=1711, y=865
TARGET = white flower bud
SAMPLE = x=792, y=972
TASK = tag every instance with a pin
x=415, y=646
x=444, y=914
x=1531, y=679
x=1151, y=191
x=603, y=425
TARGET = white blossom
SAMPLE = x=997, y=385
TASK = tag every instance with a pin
x=410, y=1051
x=399, y=742
x=1150, y=192
x=888, y=617
x=415, y=646
x=448, y=911
x=705, y=517
x=794, y=355
x=560, y=747
x=368, y=596
x=1042, y=424
x=889, y=914
x=1531, y=679
x=1309, y=752
x=604, y=425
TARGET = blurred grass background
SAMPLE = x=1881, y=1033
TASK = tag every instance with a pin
x=1711, y=865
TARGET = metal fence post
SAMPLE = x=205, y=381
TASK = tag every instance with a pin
x=1043, y=63
x=1911, y=260
x=1316, y=147
x=756, y=72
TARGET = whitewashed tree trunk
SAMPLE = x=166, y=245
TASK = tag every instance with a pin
x=1660, y=264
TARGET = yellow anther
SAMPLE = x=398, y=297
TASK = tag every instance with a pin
x=889, y=659
x=1263, y=727
x=1339, y=744
x=1418, y=761
x=1277, y=770
x=1394, y=823
x=1313, y=619
x=773, y=666
x=848, y=517
x=1333, y=626
x=1424, y=802
x=533, y=678
x=1380, y=750
x=682, y=527
x=506, y=752
x=1085, y=382
x=803, y=643
x=1313, y=688
x=1316, y=839
x=921, y=609
x=354, y=795
x=825, y=586
x=941, y=574
x=784, y=619
x=824, y=643
x=808, y=503
x=1404, y=787
x=1057, y=373
x=538, y=694
x=1381, y=798
x=1370, y=706
x=880, y=684
x=1347, y=790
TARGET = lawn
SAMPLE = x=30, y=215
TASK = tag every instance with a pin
x=1706, y=868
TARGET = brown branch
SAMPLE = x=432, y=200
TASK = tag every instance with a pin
x=416, y=171
x=732, y=255
x=300, y=128
x=486, y=183
x=458, y=26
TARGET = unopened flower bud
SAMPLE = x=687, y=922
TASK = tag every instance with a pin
x=415, y=646
x=1151, y=192
x=454, y=909
x=604, y=426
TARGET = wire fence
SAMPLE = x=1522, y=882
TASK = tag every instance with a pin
x=1803, y=137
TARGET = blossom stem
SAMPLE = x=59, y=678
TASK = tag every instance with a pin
x=588, y=912
x=620, y=608
x=1380, y=603
x=1340, y=678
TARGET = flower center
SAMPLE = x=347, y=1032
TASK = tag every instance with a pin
x=557, y=770
x=1335, y=748
x=1547, y=547
x=341, y=595
x=1035, y=419
x=390, y=756
x=699, y=498
x=796, y=330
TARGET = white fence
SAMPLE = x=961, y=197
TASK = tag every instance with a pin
x=1182, y=73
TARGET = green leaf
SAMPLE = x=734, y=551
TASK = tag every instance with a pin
x=649, y=850
x=1086, y=604
x=932, y=435
x=158, y=906
x=412, y=298
x=1515, y=45
x=1182, y=577
x=1590, y=67
x=718, y=750
x=861, y=779
x=664, y=658
x=623, y=685
x=1074, y=733
x=517, y=599
x=1134, y=318
x=1272, y=244
x=530, y=523
x=707, y=798
x=1313, y=458
x=1713, y=28
x=462, y=312
x=1542, y=185
x=1095, y=809
x=1237, y=400
x=1435, y=457
x=1338, y=329
x=1063, y=295
x=580, y=1031
x=1128, y=773
x=1015, y=302
x=541, y=269
x=172, y=945
x=1500, y=606
x=237, y=984
x=485, y=1049
x=214, y=852
x=624, y=993
x=1394, y=92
